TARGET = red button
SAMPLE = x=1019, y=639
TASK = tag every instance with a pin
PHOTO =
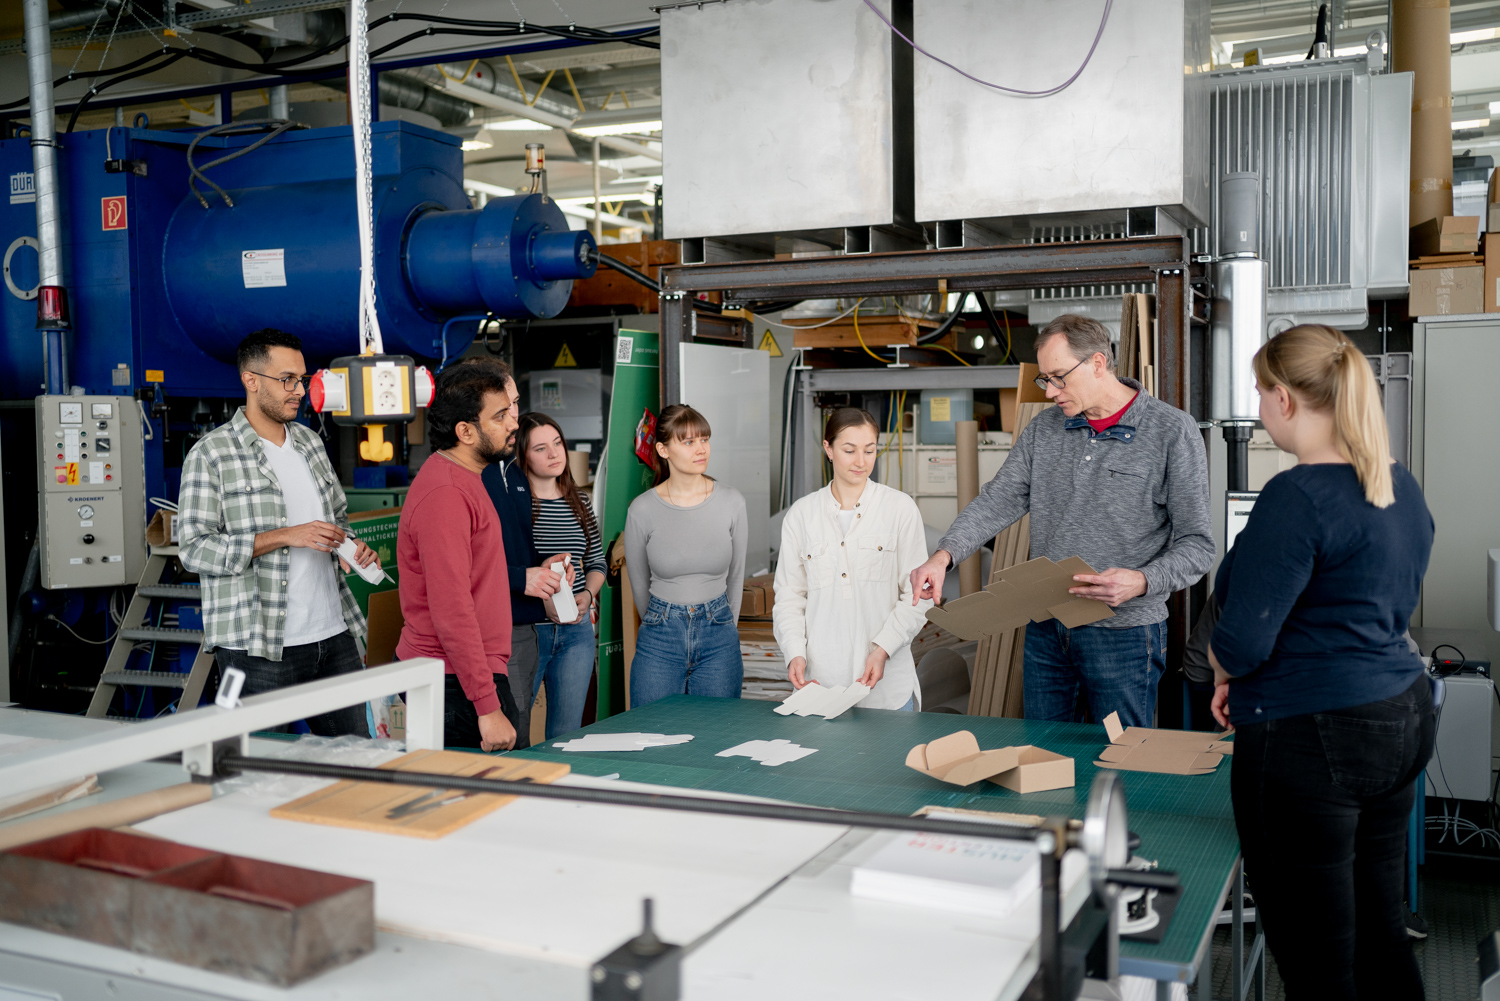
x=107, y=476
x=61, y=478
x=59, y=455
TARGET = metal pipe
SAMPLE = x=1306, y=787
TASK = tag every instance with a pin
x=598, y=221
x=232, y=763
x=74, y=18
x=1237, y=466
x=44, y=169
x=280, y=107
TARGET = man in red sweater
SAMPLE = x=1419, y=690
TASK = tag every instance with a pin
x=455, y=589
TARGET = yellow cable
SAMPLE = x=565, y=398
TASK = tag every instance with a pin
x=517, y=78
x=1006, y=315
x=951, y=352
x=860, y=337
x=545, y=80
x=574, y=88
x=901, y=443
x=461, y=79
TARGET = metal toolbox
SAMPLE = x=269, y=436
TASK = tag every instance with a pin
x=81, y=884
x=261, y=921
x=255, y=920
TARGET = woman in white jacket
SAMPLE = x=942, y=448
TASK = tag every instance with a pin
x=844, y=610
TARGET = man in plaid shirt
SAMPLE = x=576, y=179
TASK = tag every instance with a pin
x=260, y=514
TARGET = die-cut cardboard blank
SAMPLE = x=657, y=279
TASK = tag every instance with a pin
x=957, y=759
x=1166, y=752
x=375, y=806
x=1034, y=591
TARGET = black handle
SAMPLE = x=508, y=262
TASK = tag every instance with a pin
x=1150, y=879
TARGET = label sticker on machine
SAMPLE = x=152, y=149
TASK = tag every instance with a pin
x=70, y=446
x=96, y=472
x=263, y=268
x=624, y=350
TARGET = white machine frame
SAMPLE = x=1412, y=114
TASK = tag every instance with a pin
x=194, y=733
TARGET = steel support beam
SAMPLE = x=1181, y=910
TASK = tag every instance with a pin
x=1030, y=265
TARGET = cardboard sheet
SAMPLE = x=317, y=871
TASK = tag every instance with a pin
x=1034, y=591
x=768, y=752
x=1166, y=752
x=622, y=741
x=412, y=810
x=957, y=760
x=815, y=700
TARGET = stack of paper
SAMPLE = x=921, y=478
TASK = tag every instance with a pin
x=765, y=671
x=815, y=700
x=621, y=741
x=972, y=875
x=768, y=752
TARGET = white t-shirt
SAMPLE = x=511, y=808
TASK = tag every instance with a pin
x=846, y=520
x=313, y=610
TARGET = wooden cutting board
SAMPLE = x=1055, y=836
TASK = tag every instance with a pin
x=413, y=810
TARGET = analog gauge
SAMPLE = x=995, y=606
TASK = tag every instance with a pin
x=85, y=512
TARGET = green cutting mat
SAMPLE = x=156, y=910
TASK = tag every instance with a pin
x=1185, y=822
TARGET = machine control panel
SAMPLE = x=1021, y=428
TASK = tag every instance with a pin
x=90, y=470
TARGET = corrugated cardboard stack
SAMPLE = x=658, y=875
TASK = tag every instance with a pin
x=1448, y=274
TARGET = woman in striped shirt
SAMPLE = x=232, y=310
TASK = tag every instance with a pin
x=562, y=522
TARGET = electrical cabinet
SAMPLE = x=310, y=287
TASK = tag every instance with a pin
x=91, y=475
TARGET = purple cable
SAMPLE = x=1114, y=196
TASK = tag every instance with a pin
x=995, y=86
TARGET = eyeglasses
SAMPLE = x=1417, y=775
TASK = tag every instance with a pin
x=289, y=383
x=1042, y=381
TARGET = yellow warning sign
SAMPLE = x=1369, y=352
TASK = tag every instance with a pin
x=73, y=474
x=565, y=359
x=768, y=343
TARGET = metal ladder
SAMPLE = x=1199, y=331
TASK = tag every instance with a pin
x=132, y=631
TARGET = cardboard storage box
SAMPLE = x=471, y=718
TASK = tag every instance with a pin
x=1166, y=752
x=1451, y=234
x=957, y=760
x=760, y=597
x=1447, y=291
x=1491, y=271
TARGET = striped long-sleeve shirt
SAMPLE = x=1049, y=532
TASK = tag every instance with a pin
x=556, y=530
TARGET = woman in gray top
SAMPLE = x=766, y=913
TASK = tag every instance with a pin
x=685, y=553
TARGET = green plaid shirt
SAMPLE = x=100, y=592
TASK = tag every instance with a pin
x=229, y=495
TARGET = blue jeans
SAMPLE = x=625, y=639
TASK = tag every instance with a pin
x=565, y=663
x=1118, y=670
x=686, y=649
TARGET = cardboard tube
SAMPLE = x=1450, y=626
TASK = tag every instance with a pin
x=967, y=455
x=1420, y=45
x=117, y=813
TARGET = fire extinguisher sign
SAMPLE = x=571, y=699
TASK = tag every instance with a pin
x=113, y=212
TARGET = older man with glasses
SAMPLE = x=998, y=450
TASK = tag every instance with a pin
x=1114, y=476
x=260, y=513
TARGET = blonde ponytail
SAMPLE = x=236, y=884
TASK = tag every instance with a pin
x=1326, y=372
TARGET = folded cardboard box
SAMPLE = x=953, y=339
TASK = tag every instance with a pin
x=1447, y=234
x=162, y=531
x=1447, y=291
x=1166, y=752
x=759, y=597
x=957, y=759
x=1034, y=591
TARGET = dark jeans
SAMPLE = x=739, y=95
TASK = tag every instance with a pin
x=461, y=722
x=1117, y=669
x=298, y=665
x=1321, y=802
x=521, y=678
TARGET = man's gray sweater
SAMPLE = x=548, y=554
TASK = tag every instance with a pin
x=1134, y=496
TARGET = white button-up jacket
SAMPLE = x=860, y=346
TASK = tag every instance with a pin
x=837, y=594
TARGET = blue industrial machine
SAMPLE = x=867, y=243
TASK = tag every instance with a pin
x=162, y=286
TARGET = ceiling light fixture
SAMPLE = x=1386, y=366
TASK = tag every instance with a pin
x=470, y=145
x=1472, y=123
x=518, y=125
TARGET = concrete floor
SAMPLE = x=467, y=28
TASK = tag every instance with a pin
x=1459, y=912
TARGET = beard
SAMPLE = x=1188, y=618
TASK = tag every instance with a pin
x=490, y=452
x=276, y=411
